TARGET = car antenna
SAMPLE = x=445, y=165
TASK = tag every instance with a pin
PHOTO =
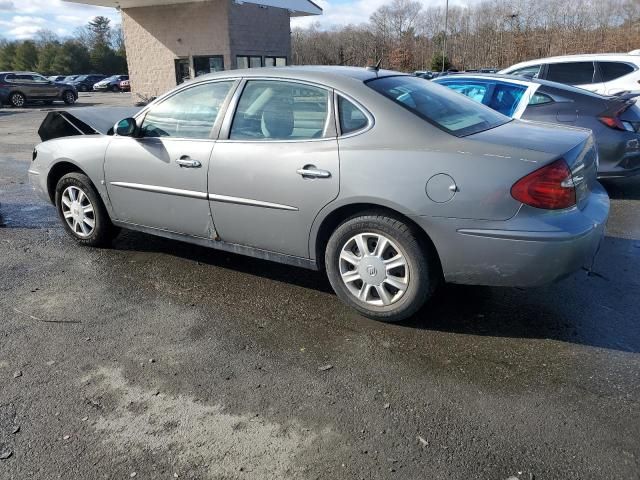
x=376, y=67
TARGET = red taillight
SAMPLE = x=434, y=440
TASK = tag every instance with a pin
x=611, y=118
x=550, y=187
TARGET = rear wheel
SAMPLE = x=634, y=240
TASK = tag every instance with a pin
x=68, y=97
x=378, y=266
x=82, y=211
x=115, y=88
x=17, y=100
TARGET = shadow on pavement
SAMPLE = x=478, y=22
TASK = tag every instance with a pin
x=623, y=188
x=587, y=310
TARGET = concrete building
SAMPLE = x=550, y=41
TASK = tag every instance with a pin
x=170, y=41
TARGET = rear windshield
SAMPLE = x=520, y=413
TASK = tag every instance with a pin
x=438, y=105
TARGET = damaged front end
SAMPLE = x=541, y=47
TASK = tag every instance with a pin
x=83, y=121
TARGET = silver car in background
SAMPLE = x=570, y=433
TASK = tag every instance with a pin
x=388, y=183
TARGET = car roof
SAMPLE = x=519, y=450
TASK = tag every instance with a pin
x=624, y=57
x=318, y=73
x=523, y=80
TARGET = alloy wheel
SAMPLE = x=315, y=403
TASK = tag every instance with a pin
x=78, y=211
x=17, y=100
x=374, y=269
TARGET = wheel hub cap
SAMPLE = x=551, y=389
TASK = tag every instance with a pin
x=374, y=269
x=78, y=211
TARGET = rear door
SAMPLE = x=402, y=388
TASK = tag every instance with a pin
x=275, y=166
x=43, y=87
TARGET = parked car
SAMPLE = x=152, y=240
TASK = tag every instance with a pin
x=57, y=78
x=427, y=75
x=85, y=83
x=111, y=83
x=608, y=74
x=411, y=184
x=19, y=88
x=69, y=78
x=125, y=85
x=614, y=121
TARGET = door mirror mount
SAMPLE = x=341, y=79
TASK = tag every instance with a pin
x=126, y=127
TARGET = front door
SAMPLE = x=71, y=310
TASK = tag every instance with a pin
x=275, y=166
x=159, y=178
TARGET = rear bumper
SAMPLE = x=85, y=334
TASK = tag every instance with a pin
x=621, y=159
x=531, y=249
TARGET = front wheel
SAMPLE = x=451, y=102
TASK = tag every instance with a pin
x=18, y=100
x=378, y=266
x=82, y=212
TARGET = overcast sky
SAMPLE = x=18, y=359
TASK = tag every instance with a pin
x=20, y=19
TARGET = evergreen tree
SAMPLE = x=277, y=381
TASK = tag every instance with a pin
x=436, y=62
x=26, y=57
x=7, y=56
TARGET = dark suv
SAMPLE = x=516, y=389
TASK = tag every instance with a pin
x=18, y=88
x=85, y=83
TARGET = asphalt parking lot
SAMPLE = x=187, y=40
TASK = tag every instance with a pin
x=155, y=359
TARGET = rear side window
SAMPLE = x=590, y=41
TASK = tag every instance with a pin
x=352, y=118
x=612, y=70
x=572, y=73
x=190, y=113
x=438, y=105
x=278, y=110
x=540, y=99
x=506, y=98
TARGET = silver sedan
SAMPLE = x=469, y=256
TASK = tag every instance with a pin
x=388, y=183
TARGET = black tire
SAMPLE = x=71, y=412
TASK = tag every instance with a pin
x=83, y=88
x=68, y=97
x=103, y=230
x=115, y=88
x=17, y=100
x=423, y=274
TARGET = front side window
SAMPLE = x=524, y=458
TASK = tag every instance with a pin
x=438, y=105
x=190, y=113
x=612, y=70
x=351, y=117
x=276, y=110
x=571, y=73
x=532, y=71
x=505, y=98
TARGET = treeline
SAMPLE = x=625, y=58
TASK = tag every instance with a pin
x=96, y=48
x=493, y=33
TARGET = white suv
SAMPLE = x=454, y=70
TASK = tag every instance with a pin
x=608, y=74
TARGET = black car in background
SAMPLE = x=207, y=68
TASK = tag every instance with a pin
x=69, y=78
x=85, y=83
x=57, y=78
x=19, y=88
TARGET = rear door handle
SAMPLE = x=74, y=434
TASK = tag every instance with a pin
x=187, y=162
x=311, y=171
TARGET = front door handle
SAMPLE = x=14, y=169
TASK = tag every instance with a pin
x=310, y=171
x=187, y=162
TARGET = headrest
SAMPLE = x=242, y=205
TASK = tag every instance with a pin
x=277, y=119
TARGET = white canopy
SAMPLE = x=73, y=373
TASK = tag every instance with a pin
x=297, y=8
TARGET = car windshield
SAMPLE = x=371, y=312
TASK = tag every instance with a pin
x=438, y=105
x=81, y=78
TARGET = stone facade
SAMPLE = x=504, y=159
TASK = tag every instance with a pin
x=155, y=37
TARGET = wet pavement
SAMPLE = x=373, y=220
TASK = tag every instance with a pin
x=162, y=359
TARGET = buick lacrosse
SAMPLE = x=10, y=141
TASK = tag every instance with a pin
x=388, y=183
